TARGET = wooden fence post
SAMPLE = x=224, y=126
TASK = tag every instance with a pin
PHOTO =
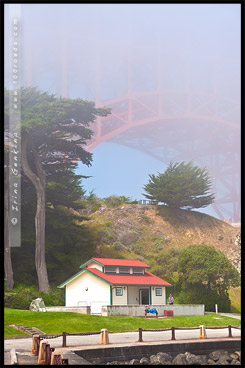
x=48, y=355
x=38, y=345
x=13, y=357
x=42, y=352
x=56, y=358
x=104, y=336
x=202, y=332
x=229, y=329
x=64, y=340
x=34, y=344
x=140, y=335
x=173, y=334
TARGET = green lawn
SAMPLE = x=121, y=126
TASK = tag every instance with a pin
x=12, y=332
x=57, y=322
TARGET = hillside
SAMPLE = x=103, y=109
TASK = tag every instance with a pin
x=138, y=231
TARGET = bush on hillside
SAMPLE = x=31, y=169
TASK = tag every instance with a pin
x=22, y=296
x=202, y=295
x=114, y=201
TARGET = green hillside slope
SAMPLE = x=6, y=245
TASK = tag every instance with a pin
x=143, y=231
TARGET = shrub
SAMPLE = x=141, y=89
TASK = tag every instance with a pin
x=202, y=295
x=117, y=245
x=22, y=296
x=129, y=237
x=114, y=201
x=138, y=248
x=106, y=237
x=17, y=300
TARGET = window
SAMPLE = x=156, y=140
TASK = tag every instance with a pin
x=138, y=270
x=124, y=270
x=119, y=291
x=109, y=269
x=158, y=291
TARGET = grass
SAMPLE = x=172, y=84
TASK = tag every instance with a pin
x=12, y=332
x=57, y=322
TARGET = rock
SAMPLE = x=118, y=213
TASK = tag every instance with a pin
x=239, y=354
x=154, y=360
x=163, y=358
x=234, y=356
x=235, y=362
x=216, y=355
x=180, y=359
x=202, y=359
x=37, y=305
x=134, y=362
x=222, y=361
x=193, y=359
x=113, y=363
x=144, y=361
x=211, y=362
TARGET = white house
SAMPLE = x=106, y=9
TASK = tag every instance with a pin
x=104, y=281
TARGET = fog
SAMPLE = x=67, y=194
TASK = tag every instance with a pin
x=184, y=53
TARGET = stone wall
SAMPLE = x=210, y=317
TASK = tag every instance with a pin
x=102, y=355
x=139, y=310
x=81, y=310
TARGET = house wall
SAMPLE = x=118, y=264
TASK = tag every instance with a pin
x=158, y=300
x=77, y=295
x=93, y=264
x=133, y=295
x=119, y=300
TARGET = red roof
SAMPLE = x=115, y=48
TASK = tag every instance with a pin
x=117, y=279
x=121, y=262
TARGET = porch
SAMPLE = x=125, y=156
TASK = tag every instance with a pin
x=139, y=310
x=138, y=295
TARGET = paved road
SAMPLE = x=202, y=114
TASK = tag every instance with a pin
x=233, y=315
x=119, y=338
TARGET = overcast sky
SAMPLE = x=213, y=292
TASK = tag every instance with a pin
x=194, y=44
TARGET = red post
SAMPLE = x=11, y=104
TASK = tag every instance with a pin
x=156, y=315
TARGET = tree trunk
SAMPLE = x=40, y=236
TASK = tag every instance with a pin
x=39, y=182
x=7, y=247
x=40, y=260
